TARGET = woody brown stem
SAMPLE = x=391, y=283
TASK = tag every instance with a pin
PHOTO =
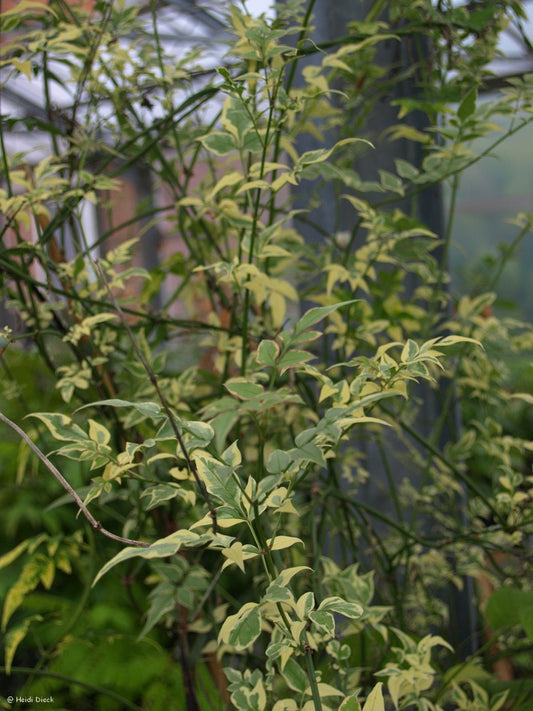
x=68, y=488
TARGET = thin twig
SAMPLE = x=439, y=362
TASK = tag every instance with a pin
x=191, y=466
x=68, y=488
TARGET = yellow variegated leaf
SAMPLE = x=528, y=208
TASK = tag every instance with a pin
x=278, y=308
x=24, y=67
x=13, y=554
x=266, y=167
x=327, y=390
x=297, y=629
x=14, y=637
x=350, y=703
x=162, y=548
x=242, y=629
x=328, y=690
x=286, y=654
x=305, y=604
x=222, y=522
x=282, y=180
x=228, y=180
x=234, y=554
x=253, y=185
x=207, y=521
x=26, y=583
x=287, y=507
x=232, y=455
x=273, y=250
x=98, y=433
x=286, y=575
x=280, y=542
x=375, y=701
x=190, y=201
x=285, y=705
x=200, y=626
x=48, y=571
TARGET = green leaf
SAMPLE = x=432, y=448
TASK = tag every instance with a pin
x=218, y=143
x=278, y=593
x=244, y=697
x=148, y=409
x=305, y=605
x=60, y=426
x=165, y=492
x=278, y=462
x=278, y=590
x=280, y=542
x=322, y=154
x=222, y=425
x=163, y=603
x=409, y=351
x=163, y=548
x=286, y=575
x=234, y=554
x=242, y=629
x=14, y=637
x=309, y=453
x=267, y=352
x=232, y=455
x=227, y=180
x=391, y=182
x=328, y=690
x=294, y=358
x=324, y=621
x=244, y=389
x=350, y=703
x=405, y=169
x=318, y=313
x=480, y=20
x=236, y=118
x=452, y=340
x=27, y=582
x=197, y=434
x=13, y=554
x=467, y=106
x=98, y=433
x=508, y=607
x=219, y=480
x=466, y=671
x=341, y=607
x=295, y=676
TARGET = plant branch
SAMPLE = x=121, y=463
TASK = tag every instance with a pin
x=464, y=478
x=153, y=379
x=68, y=488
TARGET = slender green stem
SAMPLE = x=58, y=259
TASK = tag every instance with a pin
x=443, y=271
x=502, y=263
x=254, y=232
x=446, y=175
x=5, y=161
x=390, y=479
x=311, y=675
x=288, y=85
x=376, y=10
x=468, y=481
